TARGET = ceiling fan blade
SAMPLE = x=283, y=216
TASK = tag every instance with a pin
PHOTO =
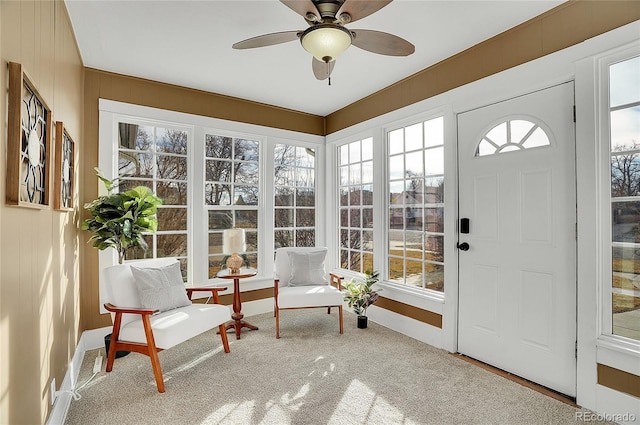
x=358, y=9
x=267, y=40
x=322, y=70
x=303, y=8
x=382, y=43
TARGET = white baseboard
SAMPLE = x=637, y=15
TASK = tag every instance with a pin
x=94, y=338
x=89, y=340
x=253, y=308
x=616, y=406
x=407, y=326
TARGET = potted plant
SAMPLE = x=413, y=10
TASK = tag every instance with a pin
x=359, y=295
x=118, y=220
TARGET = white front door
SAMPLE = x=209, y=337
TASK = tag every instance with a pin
x=517, y=306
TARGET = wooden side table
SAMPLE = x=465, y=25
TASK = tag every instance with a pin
x=237, y=323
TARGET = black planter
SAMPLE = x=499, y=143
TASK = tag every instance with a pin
x=107, y=343
x=362, y=322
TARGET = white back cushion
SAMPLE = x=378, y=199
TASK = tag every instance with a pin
x=120, y=284
x=282, y=265
x=160, y=288
x=307, y=268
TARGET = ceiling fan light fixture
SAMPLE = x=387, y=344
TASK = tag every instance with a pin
x=326, y=41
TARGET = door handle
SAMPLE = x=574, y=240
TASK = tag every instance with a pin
x=463, y=246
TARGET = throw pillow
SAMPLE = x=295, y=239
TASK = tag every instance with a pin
x=307, y=268
x=161, y=288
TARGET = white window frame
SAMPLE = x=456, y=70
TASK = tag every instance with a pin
x=340, y=207
x=204, y=208
x=606, y=338
x=387, y=130
x=113, y=173
x=295, y=207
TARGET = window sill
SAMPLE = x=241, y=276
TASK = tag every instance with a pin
x=619, y=344
x=424, y=299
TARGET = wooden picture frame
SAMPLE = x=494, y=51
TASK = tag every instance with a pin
x=63, y=170
x=28, y=143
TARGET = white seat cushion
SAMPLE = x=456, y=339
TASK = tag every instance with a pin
x=308, y=296
x=175, y=326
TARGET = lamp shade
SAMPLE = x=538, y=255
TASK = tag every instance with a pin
x=233, y=241
x=326, y=41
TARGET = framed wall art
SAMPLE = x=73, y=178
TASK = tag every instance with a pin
x=63, y=175
x=28, y=142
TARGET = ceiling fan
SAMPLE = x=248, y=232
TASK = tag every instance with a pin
x=327, y=37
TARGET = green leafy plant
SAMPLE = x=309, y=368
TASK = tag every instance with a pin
x=359, y=295
x=118, y=220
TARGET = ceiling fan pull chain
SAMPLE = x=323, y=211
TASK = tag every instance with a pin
x=329, y=80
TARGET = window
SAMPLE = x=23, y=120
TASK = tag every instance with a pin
x=356, y=205
x=512, y=135
x=232, y=182
x=294, y=196
x=416, y=205
x=156, y=156
x=624, y=133
x=212, y=175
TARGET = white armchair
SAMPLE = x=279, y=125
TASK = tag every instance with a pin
x=300, y=281
x=147, y=330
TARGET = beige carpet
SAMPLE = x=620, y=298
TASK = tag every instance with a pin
x=312, y=375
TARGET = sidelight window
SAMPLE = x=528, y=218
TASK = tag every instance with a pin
x=624, y=134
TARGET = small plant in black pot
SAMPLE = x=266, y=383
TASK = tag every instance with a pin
x=359, y=295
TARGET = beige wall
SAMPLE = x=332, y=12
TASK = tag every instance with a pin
x=39, y=266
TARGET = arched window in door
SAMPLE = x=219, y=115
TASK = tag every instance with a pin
x=512, y=135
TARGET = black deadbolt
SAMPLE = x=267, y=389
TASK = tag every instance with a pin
x=464, y=225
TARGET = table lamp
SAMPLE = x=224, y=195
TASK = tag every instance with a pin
x=233, y=241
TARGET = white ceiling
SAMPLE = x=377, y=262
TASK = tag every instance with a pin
x=188, y=43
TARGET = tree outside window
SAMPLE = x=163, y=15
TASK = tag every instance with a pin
x=294, y=196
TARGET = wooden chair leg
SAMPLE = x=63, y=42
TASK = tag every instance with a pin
x=153, y=353
x=277, y=323
x=340, y=314
x=157, y=369
x=223, y=336
x=115, y=334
